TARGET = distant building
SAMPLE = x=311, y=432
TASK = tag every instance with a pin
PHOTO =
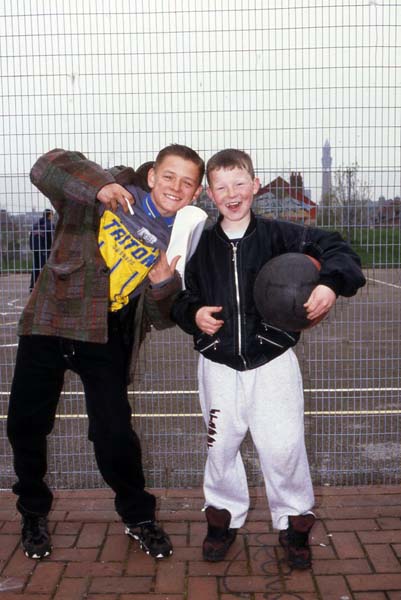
x=388, y=211
x=281, y=199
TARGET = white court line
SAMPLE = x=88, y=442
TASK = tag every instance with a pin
x=309, y=413
x=312, y=413
x=384, y=283
x=195, y=392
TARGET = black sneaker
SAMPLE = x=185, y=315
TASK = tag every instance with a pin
x=295, y=541
x=152, y=538
x=36, y=541
x=219, y=535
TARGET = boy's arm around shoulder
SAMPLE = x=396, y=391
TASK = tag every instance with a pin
x=340, y=264
x=64, y=174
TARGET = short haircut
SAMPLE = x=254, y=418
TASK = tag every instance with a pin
x=230, y=158
x=183, y=152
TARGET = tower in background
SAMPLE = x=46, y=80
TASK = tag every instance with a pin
x=326, y=173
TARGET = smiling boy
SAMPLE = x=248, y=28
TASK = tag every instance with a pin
x=80, y=317
x=249, y=381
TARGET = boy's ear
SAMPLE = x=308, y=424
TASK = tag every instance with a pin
x=256, y=185
x=209, y=193
x=151, y=177
x=197, y=193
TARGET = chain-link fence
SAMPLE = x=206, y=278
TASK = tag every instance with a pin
x=311, y=91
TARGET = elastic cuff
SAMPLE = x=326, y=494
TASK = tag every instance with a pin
x=330, y=283
x=160, y=284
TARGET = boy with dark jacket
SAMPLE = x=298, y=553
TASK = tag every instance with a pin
x=249, y=378
x=106, y=280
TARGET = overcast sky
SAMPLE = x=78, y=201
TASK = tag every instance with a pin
x=119, y=80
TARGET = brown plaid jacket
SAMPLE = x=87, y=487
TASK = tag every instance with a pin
x=70, y=298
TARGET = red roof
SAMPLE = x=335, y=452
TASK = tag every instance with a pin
x=304, y=208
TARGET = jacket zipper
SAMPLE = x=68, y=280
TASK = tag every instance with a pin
x=237, y=297
x=262, y=339
x=211, y=345
x=267, y=327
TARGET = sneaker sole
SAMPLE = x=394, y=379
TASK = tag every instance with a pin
x=300, y=567
x=37, y=556
x=220, y=555
x=214, y=559
x=143, y=546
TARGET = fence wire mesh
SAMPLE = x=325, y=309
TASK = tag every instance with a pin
x=311, y=90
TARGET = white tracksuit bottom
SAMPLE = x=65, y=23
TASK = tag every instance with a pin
x=269, y=402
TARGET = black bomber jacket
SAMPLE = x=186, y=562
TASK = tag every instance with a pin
x=223, y=272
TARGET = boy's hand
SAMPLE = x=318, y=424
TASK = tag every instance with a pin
x=321, y=300
x=162, y=270
x=113, y=194
x=206, y=321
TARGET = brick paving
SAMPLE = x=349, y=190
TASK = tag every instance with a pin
x=356, y=547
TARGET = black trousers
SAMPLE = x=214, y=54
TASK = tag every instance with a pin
x=38, y=379
x=39, y=258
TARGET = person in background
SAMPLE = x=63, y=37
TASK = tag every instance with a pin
x=40, y=242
